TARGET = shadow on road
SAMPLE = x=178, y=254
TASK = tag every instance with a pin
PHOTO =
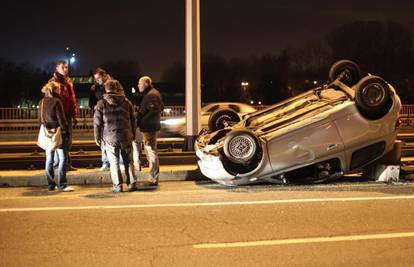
x=343, y=184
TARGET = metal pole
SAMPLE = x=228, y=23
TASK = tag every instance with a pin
x=192, y=73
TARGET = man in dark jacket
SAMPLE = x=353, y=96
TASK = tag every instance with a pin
x=114, y=123
x=98, y=88
x=96, y=94
x=68, y=97
x=149, y=122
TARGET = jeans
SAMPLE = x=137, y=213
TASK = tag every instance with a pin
x=114, y=154
x=104, y=156
x=67, y=146
x=150, y=147
x=50, y=172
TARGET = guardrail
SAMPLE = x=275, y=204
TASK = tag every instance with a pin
x=26, y=119
x=84, y=113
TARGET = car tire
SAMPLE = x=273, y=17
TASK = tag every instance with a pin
x=373, y=97
x=241, y=152
x=240, y=146
x=346, y=71
x=218, y=119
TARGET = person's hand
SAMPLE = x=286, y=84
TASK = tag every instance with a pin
x=75, y=121
x=98, y=142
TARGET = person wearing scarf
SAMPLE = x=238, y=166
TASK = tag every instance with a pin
x=70, y=107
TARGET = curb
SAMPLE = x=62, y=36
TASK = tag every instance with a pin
x=96, y=177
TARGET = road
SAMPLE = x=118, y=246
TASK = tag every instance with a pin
x=204, y=224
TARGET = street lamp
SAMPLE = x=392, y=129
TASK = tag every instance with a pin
x=72, y=59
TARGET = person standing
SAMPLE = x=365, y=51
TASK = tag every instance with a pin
x=114, y=127
x=149, y=123
x=52, y=116
x=97, y=91
x=70, y=107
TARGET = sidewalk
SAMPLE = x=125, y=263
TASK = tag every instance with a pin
x=94, y=176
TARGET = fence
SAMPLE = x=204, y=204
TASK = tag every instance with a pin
x=26, y=119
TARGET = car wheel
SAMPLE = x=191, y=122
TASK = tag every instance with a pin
x=373, y=97
x=221, y=118
x=240, y=146
x=345, y=71
x=242, y=152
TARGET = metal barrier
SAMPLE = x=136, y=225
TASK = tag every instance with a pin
x=14, y=120
x=407, y=116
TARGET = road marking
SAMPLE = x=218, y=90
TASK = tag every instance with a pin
x=303, y=240
x=59, y=195
x=208, y=204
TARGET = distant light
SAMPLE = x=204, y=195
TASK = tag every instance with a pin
x=18, y=106
x=133, y=90
x=244, y=83
x=252, y=102
x=315, y=82
x=73, y=54
x=174, y=121
x=33, y=106
x=67, y=48
x=167, y=111
x=37, y=106
x=260, y=102
x=72, y=60
x=81, y=106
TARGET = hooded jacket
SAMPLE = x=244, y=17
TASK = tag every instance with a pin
x=51, y=114
x=114, y=120
x=149, y=112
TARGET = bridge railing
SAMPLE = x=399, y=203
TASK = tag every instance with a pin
x=26, y=119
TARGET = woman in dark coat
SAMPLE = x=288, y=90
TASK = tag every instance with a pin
x=52, y=115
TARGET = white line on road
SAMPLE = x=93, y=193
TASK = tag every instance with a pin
x=303, y=240
x=207, y=204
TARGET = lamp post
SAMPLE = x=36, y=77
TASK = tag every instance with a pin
x=192, y=73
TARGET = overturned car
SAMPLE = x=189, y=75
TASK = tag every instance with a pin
x=340, y=127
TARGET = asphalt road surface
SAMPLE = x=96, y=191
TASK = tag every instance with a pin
x=204, y=224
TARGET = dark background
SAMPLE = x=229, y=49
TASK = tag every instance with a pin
x=279, y=47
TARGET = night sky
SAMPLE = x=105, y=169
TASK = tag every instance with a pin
x=152, y=31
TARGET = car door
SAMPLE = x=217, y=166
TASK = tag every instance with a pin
x=308, y=142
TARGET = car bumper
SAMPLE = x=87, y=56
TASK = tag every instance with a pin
x=212, y=167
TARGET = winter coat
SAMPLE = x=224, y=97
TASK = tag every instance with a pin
x=149, y=112
x=114, y=120
x=51, y=109
x=67, y=95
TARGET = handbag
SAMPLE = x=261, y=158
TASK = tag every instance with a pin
x=48, y=139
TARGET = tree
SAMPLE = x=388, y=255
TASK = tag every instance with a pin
x=20, y=83
x=126, y=71
x=381, y=47
x=174, y=74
